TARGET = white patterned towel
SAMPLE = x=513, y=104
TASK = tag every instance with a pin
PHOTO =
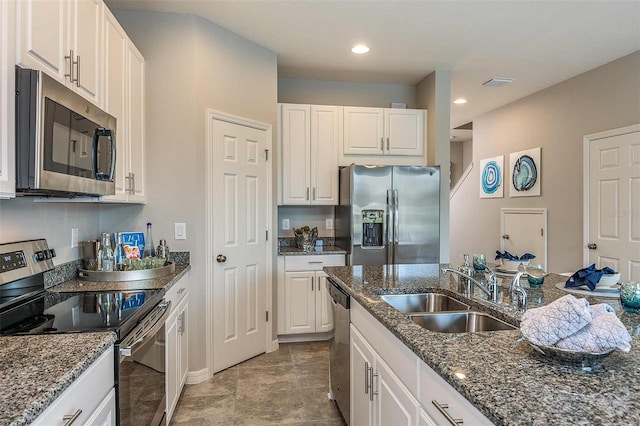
x=561, y=318
x=605, y=332
x=600, y=309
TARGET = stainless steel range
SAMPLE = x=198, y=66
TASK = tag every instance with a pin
x=137, y=317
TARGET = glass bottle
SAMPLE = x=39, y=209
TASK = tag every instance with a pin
x=108, y=261
x=162, y=252
x=119, y=254
x=149, y=247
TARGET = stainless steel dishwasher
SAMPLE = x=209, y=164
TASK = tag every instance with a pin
x=339, y=370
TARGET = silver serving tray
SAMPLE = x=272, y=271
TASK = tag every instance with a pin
x=566, y=355
x=143, y=274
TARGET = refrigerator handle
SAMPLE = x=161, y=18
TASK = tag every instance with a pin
x=396, y=225
x=390, y=220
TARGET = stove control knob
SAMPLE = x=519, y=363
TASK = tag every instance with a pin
x=39, y=256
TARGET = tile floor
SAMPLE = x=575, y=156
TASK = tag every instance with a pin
x=288, y=386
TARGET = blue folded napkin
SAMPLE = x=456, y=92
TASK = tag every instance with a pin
x=588, y=276
x=509, y=256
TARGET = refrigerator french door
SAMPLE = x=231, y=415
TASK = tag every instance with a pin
x=389, y=214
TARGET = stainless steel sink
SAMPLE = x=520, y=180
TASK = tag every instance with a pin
x=423, y=302
x=460, y=322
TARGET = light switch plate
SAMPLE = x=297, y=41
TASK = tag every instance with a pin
x=74, y=237
x=180, y=231
x=328, y=224
x=285, y=224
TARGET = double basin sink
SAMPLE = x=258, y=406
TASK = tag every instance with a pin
x=444, y=314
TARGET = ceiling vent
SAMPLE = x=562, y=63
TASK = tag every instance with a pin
x=497, y=82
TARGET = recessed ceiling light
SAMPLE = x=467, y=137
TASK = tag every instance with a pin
x=360, y=49
x=460, y=101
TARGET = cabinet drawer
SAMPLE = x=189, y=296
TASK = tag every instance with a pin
x=85, y=393
x=176, y=293
x=312, y=262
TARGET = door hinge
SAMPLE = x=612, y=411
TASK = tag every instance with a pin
x=266, y=235
x=266, y=154
x=542, y=232
x=267, y=316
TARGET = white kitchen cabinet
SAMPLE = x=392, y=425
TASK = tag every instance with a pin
x=309, y=154
x=379, y=397
x=91, y=396
x=124, y=99
x=7, y=100
x=405, y=388
x=304, y=304
x=176, y=348
x=63, y=38
x=383, y=132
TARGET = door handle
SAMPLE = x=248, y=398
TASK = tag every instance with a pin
x=221, y=258
x=592, y=246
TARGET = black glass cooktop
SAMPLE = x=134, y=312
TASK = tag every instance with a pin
x=52, y=312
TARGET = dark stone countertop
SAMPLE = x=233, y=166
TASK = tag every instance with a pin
x=505, y=379
x=37, y=369
x=295, y=251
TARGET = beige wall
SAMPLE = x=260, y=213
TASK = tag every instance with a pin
x=555, y=119
x=318, y=92
x=305, y=215
x=191, y=65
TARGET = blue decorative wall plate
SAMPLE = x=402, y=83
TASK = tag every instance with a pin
x=525, y=173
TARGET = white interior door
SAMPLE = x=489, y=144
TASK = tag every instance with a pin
x=524, y=231
x=614, y=201
x=239, y=224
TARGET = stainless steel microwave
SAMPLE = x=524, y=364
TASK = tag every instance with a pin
x=65, y=146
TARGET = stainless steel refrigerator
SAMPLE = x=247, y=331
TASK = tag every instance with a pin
x=389, y=214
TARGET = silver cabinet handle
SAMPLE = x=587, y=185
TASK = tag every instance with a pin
x=382, y=144
x=71, y=64
x=78, y=71
x=312, y=280
x=70, y=418
x=443, y=410
x=221, y=258
x=315, y=261
x=505, y=237
x=366, y=377
x=133, y=183
x=372, y=391
x=181, y=324
x=181, y=290
x=314, y=193
x=307, y=193
x=387, y=144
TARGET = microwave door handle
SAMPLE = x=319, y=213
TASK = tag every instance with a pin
x=94, y=153
x=99, y=175
x=112, y=171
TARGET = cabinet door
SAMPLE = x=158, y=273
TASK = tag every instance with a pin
x=300, y=302
x=393, y=402
x=324, y=155
x=86, y=43
x=115, y=77
x=363, y=131
x=324, y=313
x=173, y=367
x=42, y=36
x=184, y=344
x=105, y=414
x=136, y=107
x=7, y=100
x=404, y=131
x=296, y=185
x=362, y=357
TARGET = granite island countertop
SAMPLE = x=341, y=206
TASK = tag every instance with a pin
x=37, y=369
x=505, y=379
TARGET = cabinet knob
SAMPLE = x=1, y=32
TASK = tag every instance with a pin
x=221, y=258
x=505, y=237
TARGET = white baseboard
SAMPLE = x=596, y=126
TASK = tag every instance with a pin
x=195, y=377
x=275, y=345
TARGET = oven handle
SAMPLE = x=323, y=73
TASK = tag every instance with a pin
x=129, y=350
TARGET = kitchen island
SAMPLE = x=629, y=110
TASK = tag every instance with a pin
x=506, y=380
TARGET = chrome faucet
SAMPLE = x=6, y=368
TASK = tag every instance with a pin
x=517, y=292
x=492, y=290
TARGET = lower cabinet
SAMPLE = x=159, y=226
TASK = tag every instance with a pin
x=89, y=400
x=410, y=393
x=304, y=304
x=177, y=353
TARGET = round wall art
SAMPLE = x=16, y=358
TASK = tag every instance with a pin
x=491, y=177
x=525, y=173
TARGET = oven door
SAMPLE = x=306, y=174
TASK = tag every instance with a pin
x=140, y=371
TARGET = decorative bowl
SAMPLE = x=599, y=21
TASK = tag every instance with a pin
x=512, y=265
x=565, y=355
x=608, y=280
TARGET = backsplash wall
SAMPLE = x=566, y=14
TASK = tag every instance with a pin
x=306, y=215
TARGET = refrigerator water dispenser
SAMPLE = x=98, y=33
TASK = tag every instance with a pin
x=372, y=228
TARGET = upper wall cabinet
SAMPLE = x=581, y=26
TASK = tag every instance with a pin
x=7, y=101
x=309, y=154
x=383, y=131
x=63, y=39
x=124, y=99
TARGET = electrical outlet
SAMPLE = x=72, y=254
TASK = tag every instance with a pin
x=285, y=224
x=74, y=237
x=180, y=231
x=328, y=224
